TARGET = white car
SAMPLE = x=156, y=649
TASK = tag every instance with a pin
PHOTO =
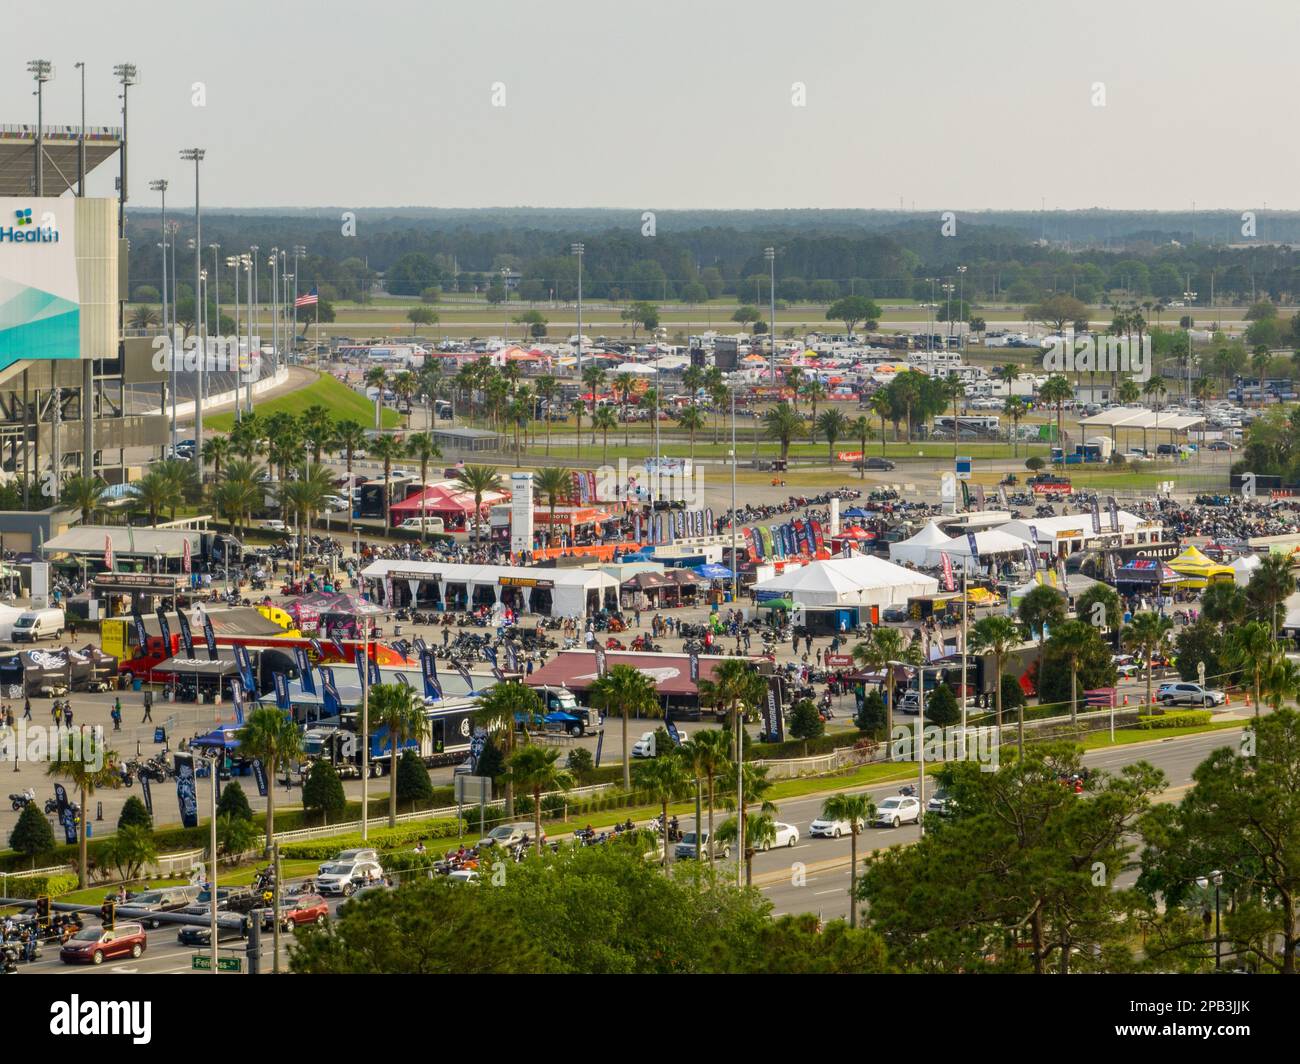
x=786, y=835
x=898, y=809
x=275, y=525
x=345, y=877
x=337, y=502
x=825, y=828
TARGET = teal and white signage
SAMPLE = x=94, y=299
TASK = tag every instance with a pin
x=40, y=306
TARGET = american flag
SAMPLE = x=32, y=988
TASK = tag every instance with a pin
x=309, y=300
x=108, y=553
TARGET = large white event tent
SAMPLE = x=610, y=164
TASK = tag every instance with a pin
x=860, y=580
x=1243, y=567
x=917, y=549
x=988, y=544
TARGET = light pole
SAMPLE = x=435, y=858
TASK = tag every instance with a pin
x=579, y=250
x=298, y=252
x=195, y=155
x=770, y=255
x=233, y=264
x=961, y=305
x=255, y=308
x=214, y=287
x=273, y=264
x=735, y=580
x=41, y=70
x=160, y=186
x=126, y=74
x=81, y=137
x=1189, y=297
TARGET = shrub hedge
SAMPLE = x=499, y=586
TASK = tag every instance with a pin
x=1188, y=719
x=383, y=839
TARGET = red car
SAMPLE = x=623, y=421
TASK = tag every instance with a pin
x=298, y=910
x=94, y=945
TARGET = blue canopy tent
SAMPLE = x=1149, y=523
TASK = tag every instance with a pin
x=713, y=571
x=222, y=738
x=856, y=511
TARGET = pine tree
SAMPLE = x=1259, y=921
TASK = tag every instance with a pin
x=134, y=814
x=413, y=783
x=234, y=802
x=32, y=836
x=323, y=793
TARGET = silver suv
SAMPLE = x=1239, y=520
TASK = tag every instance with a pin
x=686, y=849
x=1189, y=694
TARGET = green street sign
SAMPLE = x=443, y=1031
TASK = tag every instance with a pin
x=201, y=962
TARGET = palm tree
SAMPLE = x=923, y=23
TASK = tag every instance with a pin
x=377, y=377
x=478, y=480
x=89, y=765
x=304, y=497
x=1128, y=391
x=153, y=493
x=387, y=449
x=832, y=425
x=735, y=686
x=602, y=421
x=234, y=500
x=1270, y=585
x=1039, y=610
x=749, y=835
x=857, y=809
x=1073, y=639
x=708, y=754
x=1279, y=682
x=396, y=707
x=1147, y=633
x=422, y=448
x=553, y=483
x=1248, y=647
x=318, y=429
x=719, y=393
x=623, y=383
x=500, y=708
x=886, y=645
x=536, y=769
x=351, y=437
x=216, y=450
x=404, y=388
x=692, y=420
x=794, y=381
x=814, y=391
x=625, y=690
x=593, y=377
x=860, y=429
x=663, y=779
x=1056, y=390
x=270, y=736
x=548, y=388
x=998, y=636
x=85, y=494
x=956, y=391
x=781, y=423
x=882, y=407
x=1013, y=408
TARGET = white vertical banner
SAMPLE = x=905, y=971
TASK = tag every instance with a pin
x=521, y=512
x=835, y=515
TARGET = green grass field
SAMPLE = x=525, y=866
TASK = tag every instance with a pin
x=340, y=400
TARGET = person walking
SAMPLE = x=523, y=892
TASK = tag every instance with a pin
x=27, y=709
x=148, y=708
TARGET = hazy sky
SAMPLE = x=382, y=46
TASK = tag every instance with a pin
x=946, y=104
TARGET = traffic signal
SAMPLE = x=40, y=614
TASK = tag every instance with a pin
x=42, y=909
x=108, y=914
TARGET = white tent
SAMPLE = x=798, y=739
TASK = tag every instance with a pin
x=1243, y=567
x=988, y=544
x=917, y=549
x=1075, y=584
x=856, y=581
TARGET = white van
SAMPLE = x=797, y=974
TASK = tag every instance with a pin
x=431, y=524
x=38, y=624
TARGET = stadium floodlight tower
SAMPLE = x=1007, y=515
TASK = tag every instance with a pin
x=41, y=70
x=770, y=255
x=195, y=156
x=127, y=74
x=579, y=250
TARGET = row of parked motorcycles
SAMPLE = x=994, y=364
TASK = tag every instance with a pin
x=19, y=802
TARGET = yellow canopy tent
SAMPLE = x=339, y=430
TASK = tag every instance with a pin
x=1197, y=570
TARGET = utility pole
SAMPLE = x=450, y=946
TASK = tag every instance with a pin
x=365, y=723
x=212, y=845
x=160, y=186
x=770, y=255
x=195, y=155
x=579, y=250
x=275, y=906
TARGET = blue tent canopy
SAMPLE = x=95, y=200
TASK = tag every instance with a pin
x=713, y=571
x=856, y=511
x=220, y=738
